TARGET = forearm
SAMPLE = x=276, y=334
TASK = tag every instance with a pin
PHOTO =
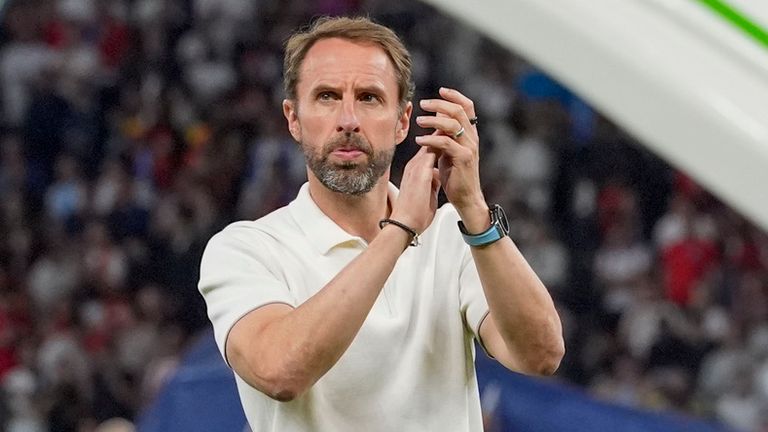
x=521, y=309
x=297, y=349
x=519, y=304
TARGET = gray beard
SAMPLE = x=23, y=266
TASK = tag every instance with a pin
x=349, y=178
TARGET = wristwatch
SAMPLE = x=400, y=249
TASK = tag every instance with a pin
x=499, y=228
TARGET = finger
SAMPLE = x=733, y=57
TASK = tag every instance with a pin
x=442, y=106
x=422, y=161
x=446, y=125
x=457, y=97
x=446, y=145
x=446, y=108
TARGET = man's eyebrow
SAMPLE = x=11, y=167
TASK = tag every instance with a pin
x=324, y=87
x=371, y=88
x=374, y=88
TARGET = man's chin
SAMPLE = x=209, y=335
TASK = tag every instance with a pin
x=348, y=182
x=345, y=166
x=348, y=167
x=348, y=163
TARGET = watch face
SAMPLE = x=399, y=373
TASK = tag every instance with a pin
x=499, y=215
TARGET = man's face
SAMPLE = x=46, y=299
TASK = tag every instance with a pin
x=346, y=114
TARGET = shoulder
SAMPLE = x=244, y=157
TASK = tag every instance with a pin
x=250, y=234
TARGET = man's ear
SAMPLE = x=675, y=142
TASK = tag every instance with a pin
x=403, y=123
x=291, y=114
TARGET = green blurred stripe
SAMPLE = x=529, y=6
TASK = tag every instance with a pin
x=739, y=19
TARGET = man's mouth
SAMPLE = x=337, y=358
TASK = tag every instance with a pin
x=348, y=150
x=347, y=153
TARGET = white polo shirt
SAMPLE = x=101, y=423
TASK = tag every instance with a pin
x=411, y=366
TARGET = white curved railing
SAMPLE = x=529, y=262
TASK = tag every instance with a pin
x=688, y=83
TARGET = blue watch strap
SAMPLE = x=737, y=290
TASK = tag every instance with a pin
x=499, y=228
x=487, y=237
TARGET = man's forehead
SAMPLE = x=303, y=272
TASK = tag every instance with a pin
x=342, y=55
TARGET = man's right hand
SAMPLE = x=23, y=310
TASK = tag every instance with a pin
x=417, y=202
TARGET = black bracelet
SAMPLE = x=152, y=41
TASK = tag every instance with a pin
x=406, y=228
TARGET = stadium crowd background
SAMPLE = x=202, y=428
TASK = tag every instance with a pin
x=133, y=130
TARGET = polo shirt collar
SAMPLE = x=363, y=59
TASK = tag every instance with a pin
x=323, y=233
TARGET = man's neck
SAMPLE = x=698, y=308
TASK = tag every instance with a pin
x=358, y=215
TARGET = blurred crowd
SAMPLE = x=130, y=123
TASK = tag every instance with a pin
x=132, y=130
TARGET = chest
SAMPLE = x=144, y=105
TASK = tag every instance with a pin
x=418, y=304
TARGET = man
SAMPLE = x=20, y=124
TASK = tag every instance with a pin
x=330, y=320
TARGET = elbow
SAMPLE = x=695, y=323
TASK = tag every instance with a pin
x=550, y=358
x=284, y=389
x=279, y=383
x=284, y=394
x=551, y=350
x=552, y=362
x=545, y=360
x=285, y=386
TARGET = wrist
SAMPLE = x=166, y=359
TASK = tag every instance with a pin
x=413, y=236
x=497, y=228
x=476, y=218
x=393, y=235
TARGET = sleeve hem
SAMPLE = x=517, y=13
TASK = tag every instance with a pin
x=226, y=335
x=479, y=337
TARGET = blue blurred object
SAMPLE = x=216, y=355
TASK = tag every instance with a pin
x=202, y=397
x=534, y=405
x=535, y=85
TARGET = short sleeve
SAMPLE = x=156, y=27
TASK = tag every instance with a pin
x=235, y=278
x=474, y=306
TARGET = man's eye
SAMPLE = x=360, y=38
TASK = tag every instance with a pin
x=369, y=97
x=325, y=96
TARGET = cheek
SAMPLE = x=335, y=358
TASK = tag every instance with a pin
x=385, y=127
x=316, y=124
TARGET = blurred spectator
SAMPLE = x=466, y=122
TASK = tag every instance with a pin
x=688, y=252
x=739, y=406
x=55, y=275
x=721, y=366
x=21, y=388
x=23, y=57
x=625, y=384
x=8, y=335
x=620, y=263
x=13, y=169
x=658, y=332
x=105, y=263
x=547, y=255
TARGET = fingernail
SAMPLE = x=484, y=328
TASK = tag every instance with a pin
x=420, y=119
x=424, y=102
x=420, y=138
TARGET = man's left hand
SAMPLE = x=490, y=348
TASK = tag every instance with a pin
x=458, y=143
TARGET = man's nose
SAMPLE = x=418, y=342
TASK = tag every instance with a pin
x=348, y=121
